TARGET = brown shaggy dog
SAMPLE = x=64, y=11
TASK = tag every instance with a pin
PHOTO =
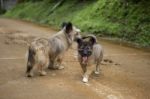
x=49, y=52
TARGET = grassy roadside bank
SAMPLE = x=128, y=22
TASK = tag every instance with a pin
x=127, y=21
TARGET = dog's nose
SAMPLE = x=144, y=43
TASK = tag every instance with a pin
x=85, y=52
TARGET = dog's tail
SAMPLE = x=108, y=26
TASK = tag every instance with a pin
x=30, y=59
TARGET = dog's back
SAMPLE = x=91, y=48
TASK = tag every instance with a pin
x=58, y=44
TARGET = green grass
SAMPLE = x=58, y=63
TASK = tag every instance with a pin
x=111, y=18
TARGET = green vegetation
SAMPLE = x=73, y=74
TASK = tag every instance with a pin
x=2, y=11
x=125, y=19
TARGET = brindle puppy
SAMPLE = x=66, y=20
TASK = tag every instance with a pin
x=89, y=53
x=49, y=52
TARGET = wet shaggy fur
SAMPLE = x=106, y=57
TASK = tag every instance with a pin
x=49, y=52
x=90, y=55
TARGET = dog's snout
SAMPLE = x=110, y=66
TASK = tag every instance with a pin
x=85, y=52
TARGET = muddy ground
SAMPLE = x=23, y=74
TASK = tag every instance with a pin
x=125, y=71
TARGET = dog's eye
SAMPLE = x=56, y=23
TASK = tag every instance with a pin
x=80, y=49
x=88, y=48
x=89, y=52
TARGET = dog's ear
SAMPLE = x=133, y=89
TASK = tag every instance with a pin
x=93, y=40
x=79, y=41
x=63, y=25
x=85, y=37
x=69, y=27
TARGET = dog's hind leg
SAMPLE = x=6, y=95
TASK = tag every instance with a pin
x=97, y=69
x=29, y=69
x=30, y=63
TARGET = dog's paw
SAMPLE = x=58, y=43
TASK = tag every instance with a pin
x=43, y=73
x=85, y=79
x=61, y=67
x=29, y=74
x=96, y=72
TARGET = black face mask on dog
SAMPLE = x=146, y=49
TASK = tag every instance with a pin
x=85, y=47
x=85, y=50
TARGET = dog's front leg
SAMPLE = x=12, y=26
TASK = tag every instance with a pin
x=59, y=63
x=41, y=70
x=56, y=64
x=88, y=71
x=83, y=68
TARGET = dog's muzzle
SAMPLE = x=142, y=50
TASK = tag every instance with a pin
x=84, y=55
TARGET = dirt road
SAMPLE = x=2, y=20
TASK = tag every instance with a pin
x=125, y=74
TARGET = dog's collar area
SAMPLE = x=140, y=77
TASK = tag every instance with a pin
x=68, y=37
